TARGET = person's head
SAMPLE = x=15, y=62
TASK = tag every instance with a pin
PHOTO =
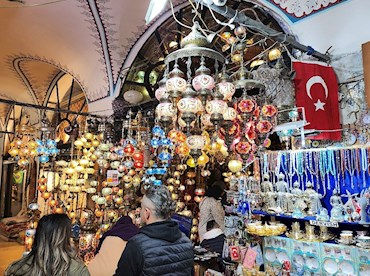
x=214, y=191
x=52, y=250
x=156, y=205
x=212, y=225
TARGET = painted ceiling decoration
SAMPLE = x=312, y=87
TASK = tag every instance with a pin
x=296, y=10
x=89, y=40
x=31, y=71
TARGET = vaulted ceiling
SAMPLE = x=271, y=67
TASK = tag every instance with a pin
x=44, y=41
x=88, y=39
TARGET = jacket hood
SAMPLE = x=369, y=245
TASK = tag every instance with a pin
x=165, y=230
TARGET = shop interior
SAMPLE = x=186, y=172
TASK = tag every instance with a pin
x=200, y=92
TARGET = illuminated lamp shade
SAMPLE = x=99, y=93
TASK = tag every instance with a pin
x=161, y=93
x=129, y=149
x=235, y=165
x=256, y=63
x=240, y=31
x=133, y=96
x=190, y=105
x=203, y=80
x=274, y=54
x=176, y=85
x=230, y=114
x=138, y=164
x=199, y=191
x=153, y=77
x=235, y=58
x=138, y=156
x=203, y=159
x=216, y=106
x=206, y=119
x=173, y=44
x=190, y=162
x=196, y=142
x=140, y=76
x=165, y=110
x=227, y=89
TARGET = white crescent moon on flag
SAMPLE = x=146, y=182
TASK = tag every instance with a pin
x=313, y=80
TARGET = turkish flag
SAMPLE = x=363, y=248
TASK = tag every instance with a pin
x=316, y=89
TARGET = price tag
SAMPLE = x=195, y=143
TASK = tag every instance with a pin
x=324, y=223
x=112, y=177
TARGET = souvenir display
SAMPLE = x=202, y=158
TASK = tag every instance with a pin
x=288, y=203
x=325, y=183
x=316, y=258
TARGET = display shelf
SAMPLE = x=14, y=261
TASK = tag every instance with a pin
x=308, y=218
x=316, y=258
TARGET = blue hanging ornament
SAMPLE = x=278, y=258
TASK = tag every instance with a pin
x=44, y=158
x=157, y=182
x=154, y=142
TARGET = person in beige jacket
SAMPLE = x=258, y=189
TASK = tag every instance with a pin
x=111, y=246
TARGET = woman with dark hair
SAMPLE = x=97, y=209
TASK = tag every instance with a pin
x=111, y=246
x=52, y=252
x=210, y=208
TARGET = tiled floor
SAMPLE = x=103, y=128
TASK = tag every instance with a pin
x=9, y=252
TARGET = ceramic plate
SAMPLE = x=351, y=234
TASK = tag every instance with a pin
x=312, y=263
x=366, y=118
x=360, y=245
x=270, y=255
x=298, y=260
x=282, y=256
x=330, y=266
x=346, y=267
x=351, y=139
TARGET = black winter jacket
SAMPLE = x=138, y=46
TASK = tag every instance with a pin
x=159, y=249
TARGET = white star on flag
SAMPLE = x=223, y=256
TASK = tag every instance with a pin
x=319, y=105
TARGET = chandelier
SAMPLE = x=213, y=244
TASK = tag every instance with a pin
x=196, y=101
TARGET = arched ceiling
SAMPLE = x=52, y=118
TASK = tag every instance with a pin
x=88, y=39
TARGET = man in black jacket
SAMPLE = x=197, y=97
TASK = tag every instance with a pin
x=159, y=248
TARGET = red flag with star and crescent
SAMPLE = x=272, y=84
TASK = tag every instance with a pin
x=316, y=89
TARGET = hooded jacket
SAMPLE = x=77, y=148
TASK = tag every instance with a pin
x=111, y=246
x=160, y=248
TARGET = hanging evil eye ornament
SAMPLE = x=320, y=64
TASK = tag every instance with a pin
x=46, y=148
x=155, y=143
x=44, y=158
x=164, y=156
x=128, y=163
x=158, y=131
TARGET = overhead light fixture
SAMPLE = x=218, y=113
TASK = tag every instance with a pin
x=173, y=44
x=155, y=8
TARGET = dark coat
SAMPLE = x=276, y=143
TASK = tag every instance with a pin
x=160, y=248
x=214, y=241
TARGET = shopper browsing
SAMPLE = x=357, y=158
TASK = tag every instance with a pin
x=214, y=238
x=110, y=248
x=159, y=248
x=210, y=208
x=52, y=252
